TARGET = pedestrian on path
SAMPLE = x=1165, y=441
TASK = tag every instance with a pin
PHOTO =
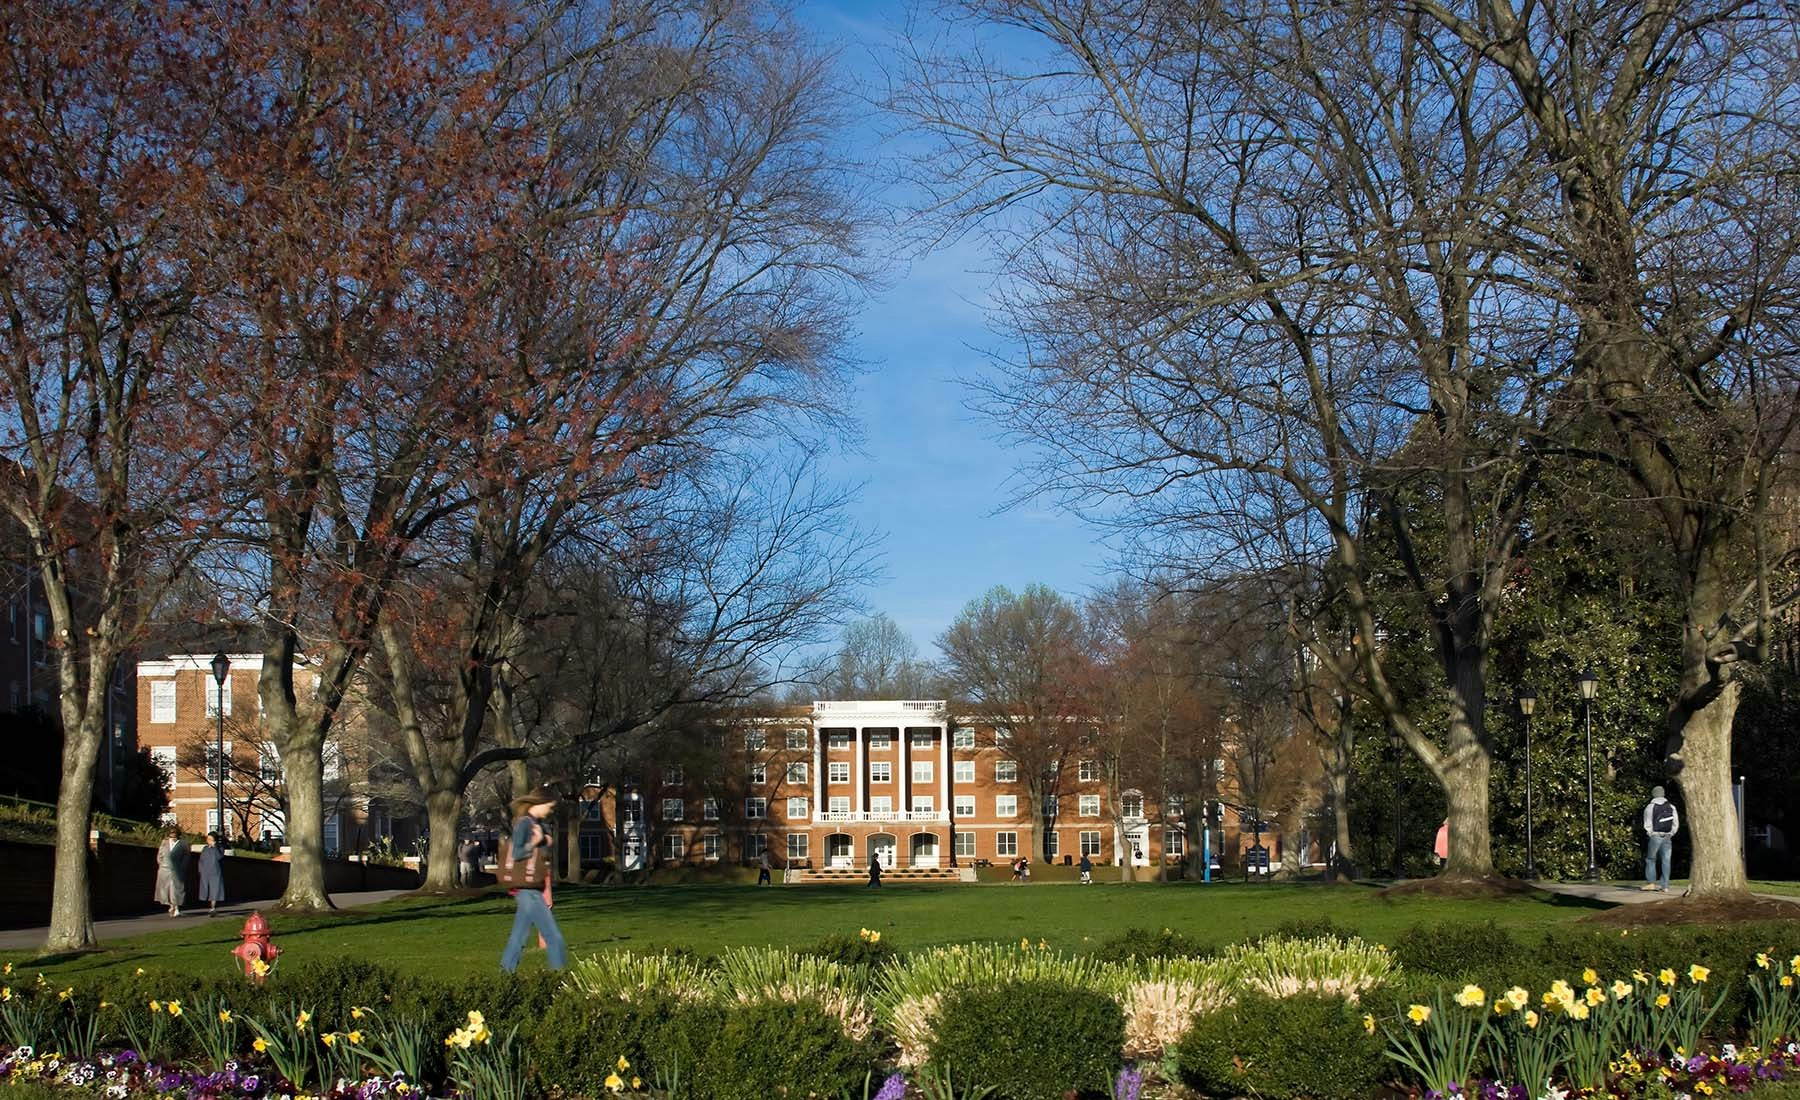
x=525, y=866
x=1087, y=869
x=171, y=867
x=874, y=871
x=468, y=859
x=1661, y=823
x=212, y=873
x=763, y=868
x=1440, y=845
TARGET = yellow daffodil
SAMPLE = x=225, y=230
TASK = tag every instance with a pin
x=1471, y=996
x=637, y=1082
x=1518, y=997
x=614, y=1082
x=40, y=980
x=622, y=1064
x=1787, y=981
x=1500, y=1007
x=259, y=968
x=1531, y=1018
x=1698, y=973
x=1794, y=964
x=1666, y=976
x=1621, y=990
x=1762, y=960
x=1589, y=977
x=1418, y=1014
x=140, y=971
x=355, y=1038
x=356, y=1012
x=8, y=969
x=1368, y=1023
x=224, y=1015
x=1662, y=1000
x=155, y=1005
x=1578, y=1010
x=260, y=1045
x=1025, y=943
x=174, y=1008
x=874, y=937
x=302, y=1020
x=1640, y=977
x=1595, y=997
x=106, y=1004
x=6, y=994
x=66, y=994
x=329, y=1038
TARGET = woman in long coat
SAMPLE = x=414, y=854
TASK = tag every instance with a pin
x=212, y=872
x=171, y=887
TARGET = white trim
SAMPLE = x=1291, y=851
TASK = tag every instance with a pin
x=202, y=662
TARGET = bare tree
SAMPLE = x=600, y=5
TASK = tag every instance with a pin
x=877, y=660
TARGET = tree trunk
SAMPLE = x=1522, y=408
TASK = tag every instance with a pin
x=1464, y=776
x=1699, y=758
x=71, y=915
x=443, y=812
x=571, y=834
x=303, y=767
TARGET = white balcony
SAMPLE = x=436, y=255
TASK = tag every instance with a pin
x=881, y=817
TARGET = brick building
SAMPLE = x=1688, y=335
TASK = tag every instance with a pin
x=830, y=785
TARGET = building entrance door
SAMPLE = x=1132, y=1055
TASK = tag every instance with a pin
x=1137, y=845
x=882, y=845
x=838, y=850
x=924, y=850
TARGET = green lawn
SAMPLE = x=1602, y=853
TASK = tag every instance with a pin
x=466, y=934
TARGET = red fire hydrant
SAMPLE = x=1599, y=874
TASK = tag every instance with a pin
x=257, y=951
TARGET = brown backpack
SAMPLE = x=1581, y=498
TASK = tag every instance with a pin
x=530, y=873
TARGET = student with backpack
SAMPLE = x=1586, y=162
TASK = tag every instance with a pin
x=1661, y=823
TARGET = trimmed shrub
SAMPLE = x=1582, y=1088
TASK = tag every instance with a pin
x=1305, y=1046
x=854, y=952
x=1309, y=928
x=1457, y=949
x=1143, y=943
x=1030, y=1040
x=776, y=1048
x=580, y=1040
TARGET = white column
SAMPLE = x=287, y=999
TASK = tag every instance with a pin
x=903, y=781
x=856, y=774
x=818, y=771
x=945, y=763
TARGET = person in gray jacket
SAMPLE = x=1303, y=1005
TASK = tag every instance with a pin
x=212, y=873
x=1661, y=823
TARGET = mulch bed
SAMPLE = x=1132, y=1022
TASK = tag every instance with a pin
x=1728, y=910
x=1492, y=886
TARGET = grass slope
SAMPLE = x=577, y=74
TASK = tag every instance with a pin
x=465, y=934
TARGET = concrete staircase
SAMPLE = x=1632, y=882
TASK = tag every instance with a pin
x=898, y=876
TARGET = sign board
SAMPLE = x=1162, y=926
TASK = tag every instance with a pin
x=1256, y=859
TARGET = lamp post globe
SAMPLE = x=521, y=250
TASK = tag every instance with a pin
x=221, y=668
x=1589, y=685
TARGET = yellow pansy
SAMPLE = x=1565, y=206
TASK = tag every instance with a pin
x=1531, y=1018
x=1368, y=1023
x=1698, y=973
x=1471, y=996
x=1590, y=977
x=614, y=1082
x=260, y=1045
x=1418, y=1014
x=1666, y=976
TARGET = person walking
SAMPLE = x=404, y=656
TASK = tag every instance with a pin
x=525, y=866
x=874, y=871
x=763, y=868
x=1440, y=845
x=1087, y=869
x=171, y=865
x=1661, y=823
x=468, y=856
x=212, y=873
x=1018, y=869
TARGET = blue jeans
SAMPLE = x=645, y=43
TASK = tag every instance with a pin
x=1660, y=849
x=533, y=913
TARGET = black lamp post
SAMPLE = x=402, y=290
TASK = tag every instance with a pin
x=1396, y=744
x=221, y=668
x=1527, y=704
x=1590, y=686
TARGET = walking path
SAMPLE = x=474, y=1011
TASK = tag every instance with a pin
x=1631, y=895
x=26, y=939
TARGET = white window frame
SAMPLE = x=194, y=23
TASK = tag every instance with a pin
x=964, y=771
x=755, y=845
x=921, y=771
x=759, y=773
x=798, y=846
x=709, y=809
x=796, y=739
x=1127, y=802
x=268, y=762
x=1089, y=839
x=881, y=771
x=796, y=771
x=1006, y=805
x=963, y=845
x=1174, y=805
x=712, y=846
x=1089, y=805
x=798, y=808
x=673, y=809
x=965, y=805
x=162, y=702
x=331, y=834
x=212, y=819
x=1174, y=843
x=837, y=739
x=213, y=696
x=963, y=738
x=332, y=761
x=1087, y=771
x=881, y=742
x=923, y=739
x=924, y=804
x=673, y=777
x=756, y=809
x=1006, y=844
x=838, y=771
x=674, y=846
x=881, y=803
x=753, y=739
x=1006, y=771
x=1052, y=846
x=163, y=756
x=838, y=804
x=214, y=762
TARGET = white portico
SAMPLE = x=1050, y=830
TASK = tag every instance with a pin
x=881, y=782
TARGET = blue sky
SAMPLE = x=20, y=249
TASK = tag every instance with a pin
x=934, y=476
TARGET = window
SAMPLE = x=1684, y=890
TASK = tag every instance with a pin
x=1051, y=845
x=796, y=739
x=796, y=772
x=1050, y=807
x=839, y=804
x=1131, y=805
x=674, y=846
x=714, y=739
x=213, y=761
x=921, y=771
x=965, y=805
x=1172, y=842
x=1007, y=805
x=709, y=809
x=268, y=762
x=163, y=756
x=1006, y=771
x=965, y=771
x=923, y=739
x=964, y=845
x=797, y=809
x=1087, y=771
x=881, y=804
x=212, y=820
x=592, y=847
x=755, y=845
x=881, y=740
x=672, y=777
x=672, y=809
x=963, y=738
x=838, y=771
x=212, y=697
x=1090, y=805
x=759, y=773
x=797, y=846
x=1006, y=844
x=1090, y=842
x=333, y=760
x=753, y=739
x=162, y=700
x=756, y=808
x=881, y=771
x=924, y=804
x=590, y=811
x=1001, y=737
x=331, y=835
x=1173, y=805
x=837, y=739
x=712, y=845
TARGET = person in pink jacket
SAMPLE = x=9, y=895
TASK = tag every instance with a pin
x=1441, y=846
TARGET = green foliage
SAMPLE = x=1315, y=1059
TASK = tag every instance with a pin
x=855, y=952
x=779, y=1048
x=580, y=1039
x=1030, y=1040
x=1328, y=966
x=1143, y=943
x=1456, y=949
x=750, y=974
x=1304, y=1046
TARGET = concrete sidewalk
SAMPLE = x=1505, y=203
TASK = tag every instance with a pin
x=230, y=916
x=1615, y=894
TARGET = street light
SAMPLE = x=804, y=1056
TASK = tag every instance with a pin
x=221, y=668
x=1590, y=687
x=1395, y=743
x=1527, y=704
